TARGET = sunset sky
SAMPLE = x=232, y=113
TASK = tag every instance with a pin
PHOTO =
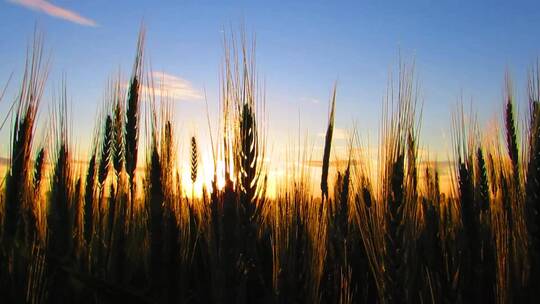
x=461, y=48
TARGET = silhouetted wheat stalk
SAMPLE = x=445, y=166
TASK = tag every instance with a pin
x=131, y=130
x=532, y=187
x=328, y=147
x=118, y=125
x=59, y=216
x=89, y=199
x=27, y=104
x=19, y=208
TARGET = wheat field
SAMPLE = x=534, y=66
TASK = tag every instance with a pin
x=121, y=227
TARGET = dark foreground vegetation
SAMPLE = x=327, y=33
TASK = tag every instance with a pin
x=121, y=228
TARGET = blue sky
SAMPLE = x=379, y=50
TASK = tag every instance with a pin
x=461, y=48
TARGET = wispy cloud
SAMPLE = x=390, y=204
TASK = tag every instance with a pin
x=337, y=134
x=174, y=87
x=55, y=11
x=335, y=163
x=310, y=100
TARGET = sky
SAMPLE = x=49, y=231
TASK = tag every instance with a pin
x=461, y=50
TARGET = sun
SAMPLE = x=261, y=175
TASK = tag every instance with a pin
x=205, y=176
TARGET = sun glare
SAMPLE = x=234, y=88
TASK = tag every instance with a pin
x=205, y=176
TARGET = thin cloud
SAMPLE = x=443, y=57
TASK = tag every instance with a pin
x=55, y=11
x=310, y=100
x=174, y=87
x=335, y=163
x=337, y=134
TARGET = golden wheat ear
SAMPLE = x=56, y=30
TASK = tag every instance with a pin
x=131, y=129
x=194, y=160
x=19, y=169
